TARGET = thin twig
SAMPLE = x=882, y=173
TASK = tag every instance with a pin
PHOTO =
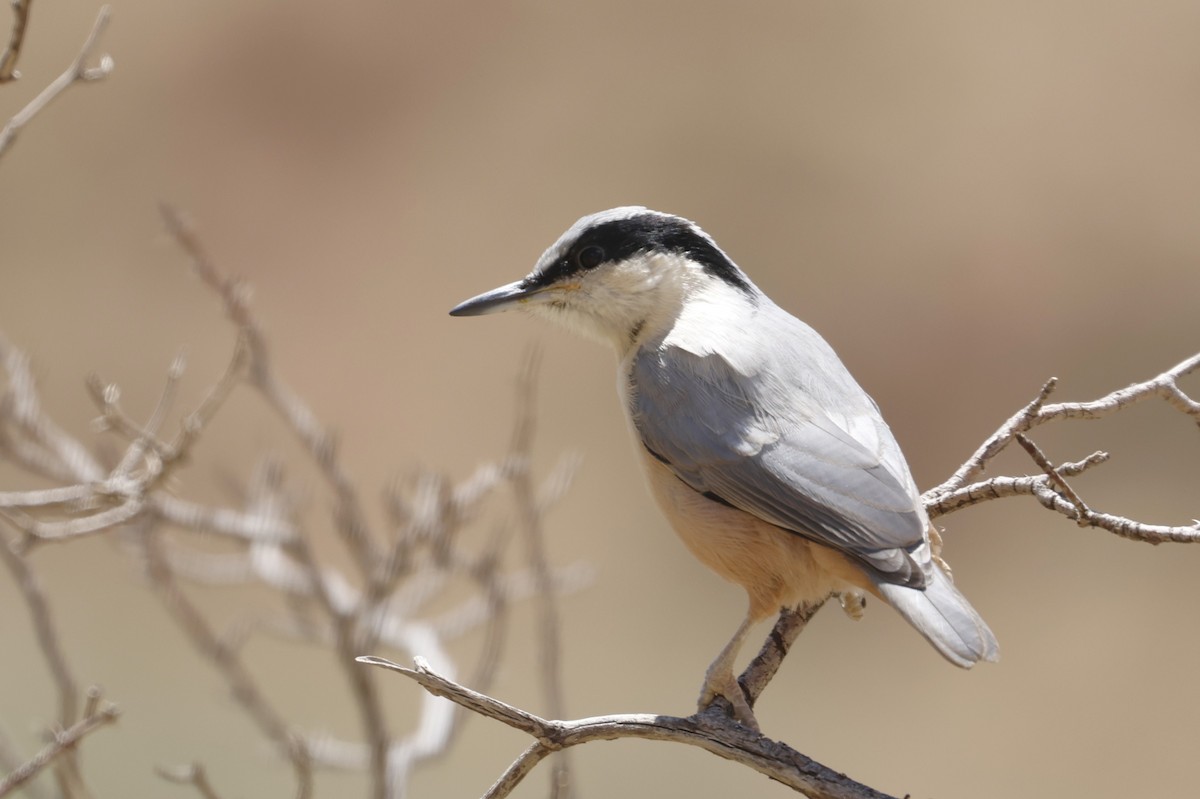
x=45, y=632
x=1165, y=386
x=241, y=682
x=1081, y=509
x=8, y=60
x=63, y=495
x=351, y=520
x=1019, y=422
x=362, y=685
x=193, y=775
x=549, y=623
x=1001, y=487
x=1051, y=488
x=45, y=448
x=78, y=72
x=507, y=782
x=64, y=741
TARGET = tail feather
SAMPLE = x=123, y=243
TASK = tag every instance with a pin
x=945, y=618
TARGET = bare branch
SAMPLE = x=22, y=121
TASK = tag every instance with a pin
x=1051, y=488
x=351, y=520
x=47, y=496
x=44, y=447
x=766, y=663
x=549, y=624
x=1020, y=421
x=78, y=72
x=193, y=774
x=8, y=60
x=45, y=632
x=362, y=687
x=241, y=682
x=1165, y=387
x=519, y=770
x=1056, y=479
x=64, y=741
x=712, y=732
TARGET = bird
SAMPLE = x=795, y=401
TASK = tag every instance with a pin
x=771, y=463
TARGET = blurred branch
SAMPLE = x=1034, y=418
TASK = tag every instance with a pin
x=8, y=59
x=194, y=775
x=44, y=630
x=241, y=682
x=395, y=580
x=550, y=627
x=64, y=742
x=78, y=72
x=1051, y=488
x=713, y=732
x=321, y=443
x=69, y=775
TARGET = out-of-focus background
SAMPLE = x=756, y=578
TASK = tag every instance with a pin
x=965, y=199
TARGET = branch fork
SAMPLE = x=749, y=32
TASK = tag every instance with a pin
x=711, y=730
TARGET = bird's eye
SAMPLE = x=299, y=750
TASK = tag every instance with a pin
x=590, y=256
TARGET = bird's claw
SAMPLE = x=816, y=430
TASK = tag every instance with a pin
x=727, y=687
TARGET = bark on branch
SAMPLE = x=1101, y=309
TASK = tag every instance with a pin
x=713, y=732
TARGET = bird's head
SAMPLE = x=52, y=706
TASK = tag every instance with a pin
x=619, y=274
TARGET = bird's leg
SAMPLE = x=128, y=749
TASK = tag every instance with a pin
x=719, y=679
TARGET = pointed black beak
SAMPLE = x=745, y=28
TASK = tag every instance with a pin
x=494, y=301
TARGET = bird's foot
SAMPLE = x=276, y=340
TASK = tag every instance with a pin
x=727, y=687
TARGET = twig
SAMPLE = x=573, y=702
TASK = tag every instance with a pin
x=241, y=682
x=78, y=72
x=44, y=630
x=351, y=520
x=1019, y=422
x=362, y=685
x=193, y=774
x=11, y=760
x=716, y=734
x=1081, y=510
x=8, y=61
x=1165, y=386
x=63, y=495
x=64, y=741
x=45, y=448
x=549, y=624
x=519, y=770
x=1051, y=488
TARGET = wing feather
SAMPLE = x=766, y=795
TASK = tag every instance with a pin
x=774, y=453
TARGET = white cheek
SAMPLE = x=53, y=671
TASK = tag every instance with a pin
x=576, y=321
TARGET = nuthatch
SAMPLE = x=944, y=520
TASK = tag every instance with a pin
x=771, y=463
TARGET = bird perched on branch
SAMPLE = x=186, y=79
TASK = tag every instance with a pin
x=771, y=463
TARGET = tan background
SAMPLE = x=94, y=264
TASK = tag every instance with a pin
x=964, y=198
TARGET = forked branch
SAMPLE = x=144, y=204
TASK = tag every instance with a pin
x=712, y=732
x=78, y=72
x=1051, y=488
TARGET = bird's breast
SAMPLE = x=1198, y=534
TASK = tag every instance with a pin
x=776, y=567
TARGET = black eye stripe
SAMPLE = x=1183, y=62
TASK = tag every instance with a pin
x=623, y=238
